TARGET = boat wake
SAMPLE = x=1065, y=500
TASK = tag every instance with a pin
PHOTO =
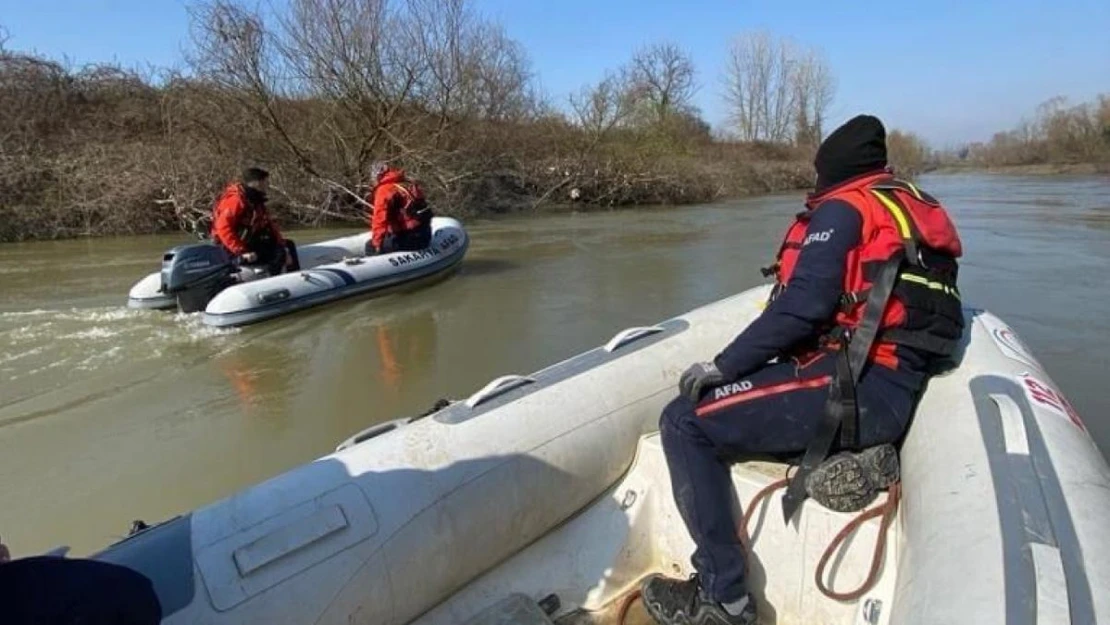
x=43, y=352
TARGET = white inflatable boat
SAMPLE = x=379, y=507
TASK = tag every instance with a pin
x=330, y=270
x=545, y=499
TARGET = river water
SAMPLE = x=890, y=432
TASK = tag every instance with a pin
x=109, y=415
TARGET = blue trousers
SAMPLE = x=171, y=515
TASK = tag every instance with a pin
x=772, y=411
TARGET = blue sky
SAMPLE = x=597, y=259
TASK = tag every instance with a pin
x=947, y=70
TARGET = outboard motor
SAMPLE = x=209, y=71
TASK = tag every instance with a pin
x=195, y=273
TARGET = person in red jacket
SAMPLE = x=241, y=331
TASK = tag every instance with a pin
x=242, y=225
x=401, y=220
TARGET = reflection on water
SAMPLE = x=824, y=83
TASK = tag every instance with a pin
x=108, y=414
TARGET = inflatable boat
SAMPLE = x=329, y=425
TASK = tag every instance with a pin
x=544, y=499
x=202, y=277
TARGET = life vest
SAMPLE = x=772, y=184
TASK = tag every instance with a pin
x=252, y=226
x=907, y=229
x=899, y=289
x=414, y=206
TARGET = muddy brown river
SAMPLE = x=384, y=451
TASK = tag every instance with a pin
x=109, y=415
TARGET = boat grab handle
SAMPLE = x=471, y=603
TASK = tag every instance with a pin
x=372, y=431
x=501, y=385
x=628, y=335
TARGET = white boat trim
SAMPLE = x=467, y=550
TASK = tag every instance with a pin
x=332, y=270
x=348, y=288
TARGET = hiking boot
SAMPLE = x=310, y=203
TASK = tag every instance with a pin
x=849, y=482
x=678, y=602
x=880, y=463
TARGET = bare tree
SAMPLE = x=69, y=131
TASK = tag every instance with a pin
x=600, y=108
x=756, y=83
x=381, y=79
x=664, y=76
x=315, y=90
x=815, y=87
x=776, y=92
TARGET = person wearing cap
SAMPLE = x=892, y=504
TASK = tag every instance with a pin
x=864, y=308
x=243, y=226
x=401, y=220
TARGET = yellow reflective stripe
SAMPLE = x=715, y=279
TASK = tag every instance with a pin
x=936, y=286
x=916, y=193
x=899, y=216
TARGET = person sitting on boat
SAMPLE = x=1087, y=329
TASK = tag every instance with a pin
x=864, y=307
x=242, y=225
x=401, y=220
x=53, y=590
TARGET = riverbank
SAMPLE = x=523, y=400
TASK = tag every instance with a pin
x=102, y=150
x=1039, y=169
x=542, y=187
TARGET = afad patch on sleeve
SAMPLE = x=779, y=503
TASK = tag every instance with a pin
x=1043, y=394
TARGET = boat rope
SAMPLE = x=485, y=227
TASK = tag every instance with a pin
x=626, y=605
x=765, y=492
x=886, y=510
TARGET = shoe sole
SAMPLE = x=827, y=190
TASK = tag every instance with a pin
x=849, y=482
x=841, y=484
x=881, y=465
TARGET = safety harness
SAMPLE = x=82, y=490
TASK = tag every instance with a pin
x=924, y=289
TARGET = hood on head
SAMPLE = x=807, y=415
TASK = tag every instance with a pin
x=855, y=148
x=391, y=175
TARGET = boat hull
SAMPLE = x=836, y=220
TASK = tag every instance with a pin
x=555, y=483
x=331, y=270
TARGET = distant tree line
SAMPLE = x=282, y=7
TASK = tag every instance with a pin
x=320, y=89
x=1060, y=133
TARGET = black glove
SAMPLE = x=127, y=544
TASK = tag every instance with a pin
x=698, y=378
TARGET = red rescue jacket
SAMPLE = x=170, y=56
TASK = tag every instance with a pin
x=910, y=231
x=236, y=220
x=399, y=206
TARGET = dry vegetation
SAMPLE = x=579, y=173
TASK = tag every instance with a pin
x=1060, y=135
x=908, y=153
x=319, y=91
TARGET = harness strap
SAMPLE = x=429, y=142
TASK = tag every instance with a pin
x=907, y=229
x=841, y=409
x=848, y=301
x=816, y=451
x=786, y=245
x=908, y=187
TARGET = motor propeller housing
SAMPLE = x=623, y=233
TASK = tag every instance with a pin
x=195, y=273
